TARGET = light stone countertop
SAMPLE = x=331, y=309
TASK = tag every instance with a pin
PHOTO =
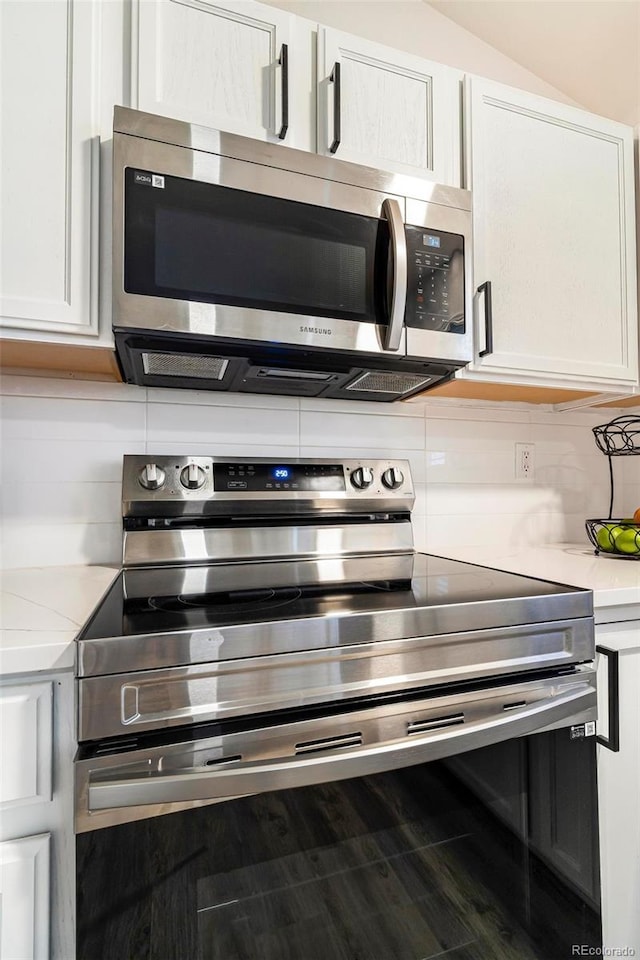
x=615, y=581
x=43, y=608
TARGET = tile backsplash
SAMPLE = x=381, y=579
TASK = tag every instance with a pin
x=63, y=443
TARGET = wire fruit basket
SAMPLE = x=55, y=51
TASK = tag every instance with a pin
x=616, y=538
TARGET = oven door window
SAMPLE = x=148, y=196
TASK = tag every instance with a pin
x=195, y=241
x=491, y=855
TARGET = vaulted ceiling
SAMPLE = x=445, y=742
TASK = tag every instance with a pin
x=588, y=49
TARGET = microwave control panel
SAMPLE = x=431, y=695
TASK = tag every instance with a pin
x=435, y=280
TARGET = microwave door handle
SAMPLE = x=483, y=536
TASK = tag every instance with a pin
x=265, y=775
x=391, y=210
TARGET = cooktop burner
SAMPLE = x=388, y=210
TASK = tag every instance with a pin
x=234, y=606
x=157, y=601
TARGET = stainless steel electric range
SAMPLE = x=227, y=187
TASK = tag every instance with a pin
x=300, y=737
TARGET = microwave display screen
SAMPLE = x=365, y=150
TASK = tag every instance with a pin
x=197, y=241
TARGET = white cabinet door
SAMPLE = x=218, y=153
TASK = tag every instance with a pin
x=553, y=204
x=48, y=197
x=24, y=896
x=619, y=791
x=26, y=744
x=395, y=111
x=37, y=746
x=222, y=66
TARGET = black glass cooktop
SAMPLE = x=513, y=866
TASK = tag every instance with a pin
x=173, y=599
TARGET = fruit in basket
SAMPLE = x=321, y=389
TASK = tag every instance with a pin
x=636, y=516
x=606, y=536
x=628, y=540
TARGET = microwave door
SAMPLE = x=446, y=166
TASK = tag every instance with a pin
x=279, y=258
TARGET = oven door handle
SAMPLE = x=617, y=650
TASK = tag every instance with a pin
x=391, y=210
x=339, y=763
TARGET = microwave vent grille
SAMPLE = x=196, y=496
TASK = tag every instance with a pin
x=379, y=381
x=184, y=365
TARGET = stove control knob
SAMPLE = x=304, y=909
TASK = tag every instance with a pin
x=393, y=478
x=151, y=476
x=362, y=477
x=192, y=477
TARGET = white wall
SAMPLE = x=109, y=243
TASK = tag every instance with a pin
x=63, y=443
x=417, y=28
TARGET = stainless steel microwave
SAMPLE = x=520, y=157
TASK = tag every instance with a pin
x=247, y=266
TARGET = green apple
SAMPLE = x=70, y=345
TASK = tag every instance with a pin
x=606, y=536
x=628, y=540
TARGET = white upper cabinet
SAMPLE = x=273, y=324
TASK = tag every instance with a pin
x=553, y=205
x=385, y=108
x=49, y=161
x=221, y=65
x=233, y=67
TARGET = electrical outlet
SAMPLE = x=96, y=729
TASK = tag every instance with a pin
x=525, y=461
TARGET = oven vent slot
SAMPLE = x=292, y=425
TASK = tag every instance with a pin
x=218, y=761
x=184, y=365
x=421, y=726
x=329, y=743
x=379, y=381
x=117, y=746
x=514, y=706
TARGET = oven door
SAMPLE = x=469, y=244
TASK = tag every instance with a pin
x=212, y=246
x=462, y=825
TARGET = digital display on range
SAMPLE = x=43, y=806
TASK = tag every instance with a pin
x=239, y=477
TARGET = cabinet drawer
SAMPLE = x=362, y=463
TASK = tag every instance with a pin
x=26, y=743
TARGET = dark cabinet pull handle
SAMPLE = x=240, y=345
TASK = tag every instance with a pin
x=612, y=741
x=335, y=80
x=488, y=319
x=283, y=60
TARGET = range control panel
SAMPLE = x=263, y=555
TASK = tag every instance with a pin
x=435, y=281
x=278, y=476
x=209, y=480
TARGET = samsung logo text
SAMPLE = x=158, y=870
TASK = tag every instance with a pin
x=323, y=330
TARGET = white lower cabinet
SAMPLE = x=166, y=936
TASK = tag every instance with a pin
x=619, y=789
x=24, y=893
x=37, y=863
